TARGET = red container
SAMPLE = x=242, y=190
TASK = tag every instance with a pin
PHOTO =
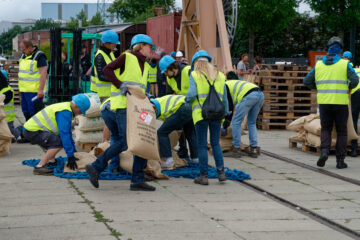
x=164, y=31
x=315, y=56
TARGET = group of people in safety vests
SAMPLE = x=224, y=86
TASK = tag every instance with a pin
x=191, y=88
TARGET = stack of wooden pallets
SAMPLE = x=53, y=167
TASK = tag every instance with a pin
x=286, y=97
x=12, y=69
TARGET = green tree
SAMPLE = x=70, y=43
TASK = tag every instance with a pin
x=7, y=37
x=270, y=16
x=337, y=15
x=74, y=21
x=97, y=19
x=45, y=24
x=138, y=10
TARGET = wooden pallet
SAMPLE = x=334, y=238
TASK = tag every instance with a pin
x=288, y=108
x=87, y=147
x=273, y=123
x=305, y=147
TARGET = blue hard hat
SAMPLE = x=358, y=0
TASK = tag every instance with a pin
x=82, y=101
x=198, y=54
x=5, y=74
x=142, y=38
x=110, y=37
x=157, y=106
x=165, y=62
x=173, y=54
x=347, y=54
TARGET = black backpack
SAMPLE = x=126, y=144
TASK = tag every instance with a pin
x=213, y=108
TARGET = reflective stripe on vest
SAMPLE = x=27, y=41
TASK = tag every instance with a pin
x=184, y=82
x=357, y=70
x=152, y=78
x=332, y=83
x=93, y=84
x=132, y=75
x=9, y=108
x=45, y=120
x=168, y=110
x=29, y=74
x=203, y=89
x=103, y=89
x=238, y=89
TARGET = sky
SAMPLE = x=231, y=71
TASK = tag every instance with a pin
x=15, y=10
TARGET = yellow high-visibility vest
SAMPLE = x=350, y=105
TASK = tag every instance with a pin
x=238, y=89
x=184, y=82
x=29, y=73
x=9, y=108
x=103, y=89
x=169, y=105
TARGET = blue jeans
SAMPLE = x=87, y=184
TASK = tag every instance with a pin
x=250, y=105
x=182, y=119
x=201, y=128
x=116, y=122
x=27, y=105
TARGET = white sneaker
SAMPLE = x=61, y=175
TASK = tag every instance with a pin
x=168, y=164
x=194, y=160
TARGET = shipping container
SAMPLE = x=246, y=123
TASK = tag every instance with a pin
x=315, y=56
x=164, y=31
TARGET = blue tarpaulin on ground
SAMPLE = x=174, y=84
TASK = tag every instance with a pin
x=191, y=171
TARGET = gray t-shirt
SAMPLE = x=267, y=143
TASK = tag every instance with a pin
x=241, y=66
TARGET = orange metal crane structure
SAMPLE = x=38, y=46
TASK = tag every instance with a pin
x=209, y=25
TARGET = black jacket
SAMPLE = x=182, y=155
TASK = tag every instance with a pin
x=99, y=63
x=3, y=84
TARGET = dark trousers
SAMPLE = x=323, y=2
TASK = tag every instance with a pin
x=355, y=110
x=117, y=127
x=330, y=114
x=182, y=119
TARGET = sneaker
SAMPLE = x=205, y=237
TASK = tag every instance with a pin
x=221, y=175
x=167, y=165
x=141, y=187
x=322, y=159
x=341, y=165
x=252, y=152
x=43, y=170
x=233, y=152
x=202, y=180
x=93, y=175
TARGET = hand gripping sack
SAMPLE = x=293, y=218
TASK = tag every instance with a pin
x=213, y=108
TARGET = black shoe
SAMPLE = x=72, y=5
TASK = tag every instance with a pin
x=13, y=140
x=322, y=159
x=43, y=170
x=233, y=153
x=353, y=153
x=93, y=175
x=22, y=140
x=252, y=152
x=183, y=154
x=202, y=180
x=141, y=187
x=341, y=165
x=52, y=163
x=221, y=175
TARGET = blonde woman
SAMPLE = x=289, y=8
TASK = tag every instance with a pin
x=128, y=69
x=204, y=73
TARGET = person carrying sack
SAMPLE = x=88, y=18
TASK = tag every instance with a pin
x=128, y=69
x=176, y=114
x=207, y=93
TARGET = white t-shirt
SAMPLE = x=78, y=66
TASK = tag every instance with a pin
x=241, y=66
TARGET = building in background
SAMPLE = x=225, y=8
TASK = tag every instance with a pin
x=64, y=11
x=6, y=25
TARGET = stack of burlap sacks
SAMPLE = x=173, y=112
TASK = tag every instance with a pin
x=89, y=128
x=141, y=139
x=5, y=134
x=308, y=130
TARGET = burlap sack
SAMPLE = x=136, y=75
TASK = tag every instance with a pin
x=2, y=113
x=88, y=137
x=94, y=110
x=5, y=133
x=141, y=131
x=84, y=159
x=351, y=134
x=2, y=98
x=100, y=149
x=313, y=127
x=298, y=124
x=153, y=167
x=174, y=138
x=299, y=136
x=313, y=140
x=87, y=124
x=5, y=146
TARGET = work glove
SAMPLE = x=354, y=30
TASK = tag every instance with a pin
x=71, y=163
x=226, y=123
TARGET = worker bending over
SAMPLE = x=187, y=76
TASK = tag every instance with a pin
x=333, y=77
x=247, y=100
x=176, y=115
x=51, y=130
x=177, y=77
